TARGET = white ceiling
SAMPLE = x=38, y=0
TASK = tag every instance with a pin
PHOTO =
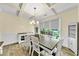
x=42, y=9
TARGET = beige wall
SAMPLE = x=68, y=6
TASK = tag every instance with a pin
x=68, y=16
x=11, y=23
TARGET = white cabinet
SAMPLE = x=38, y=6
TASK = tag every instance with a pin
x=73, y=37
x=75, y=48
x=21, y=37
x=71, y=44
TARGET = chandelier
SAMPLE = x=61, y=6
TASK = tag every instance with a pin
x=34, y=21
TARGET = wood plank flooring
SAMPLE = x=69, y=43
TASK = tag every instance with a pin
x=17, y=50
x=13, y=50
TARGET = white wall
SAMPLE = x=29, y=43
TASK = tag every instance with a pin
x=9, y=38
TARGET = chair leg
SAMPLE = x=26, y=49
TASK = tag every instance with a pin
x=38, y=54
x=1, y=51
x=32, y=52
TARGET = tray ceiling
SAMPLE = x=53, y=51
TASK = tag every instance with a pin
x=26, y=10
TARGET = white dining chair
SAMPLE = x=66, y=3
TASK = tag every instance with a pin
x=35, y=45
x=1, y=48
x=27, y=44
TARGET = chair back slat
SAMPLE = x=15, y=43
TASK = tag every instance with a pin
x=35, y=43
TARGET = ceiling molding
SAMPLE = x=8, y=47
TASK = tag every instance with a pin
x=18, y=11
x=50, y=4
x=53, y=16
x=44, y=9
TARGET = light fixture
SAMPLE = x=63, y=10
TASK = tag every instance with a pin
x=37, y=22
x=34, y=21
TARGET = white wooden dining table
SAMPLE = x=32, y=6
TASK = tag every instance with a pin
x=48, y=45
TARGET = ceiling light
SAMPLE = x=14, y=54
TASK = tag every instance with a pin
x=30, y=22
x=37, y=22
x=34, y=21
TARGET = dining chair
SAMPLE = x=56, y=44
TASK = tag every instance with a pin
x=35, y=45
x=27, y=44
x=1, y=47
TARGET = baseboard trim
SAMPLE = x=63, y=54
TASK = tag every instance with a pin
x=11, y=44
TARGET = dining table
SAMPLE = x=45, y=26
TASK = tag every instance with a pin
x=49, y=44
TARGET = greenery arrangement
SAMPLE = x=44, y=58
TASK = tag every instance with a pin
x=52, y=32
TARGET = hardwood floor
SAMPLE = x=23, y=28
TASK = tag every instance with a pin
x=17, y=50
x=13, y=50
x=67, y=52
